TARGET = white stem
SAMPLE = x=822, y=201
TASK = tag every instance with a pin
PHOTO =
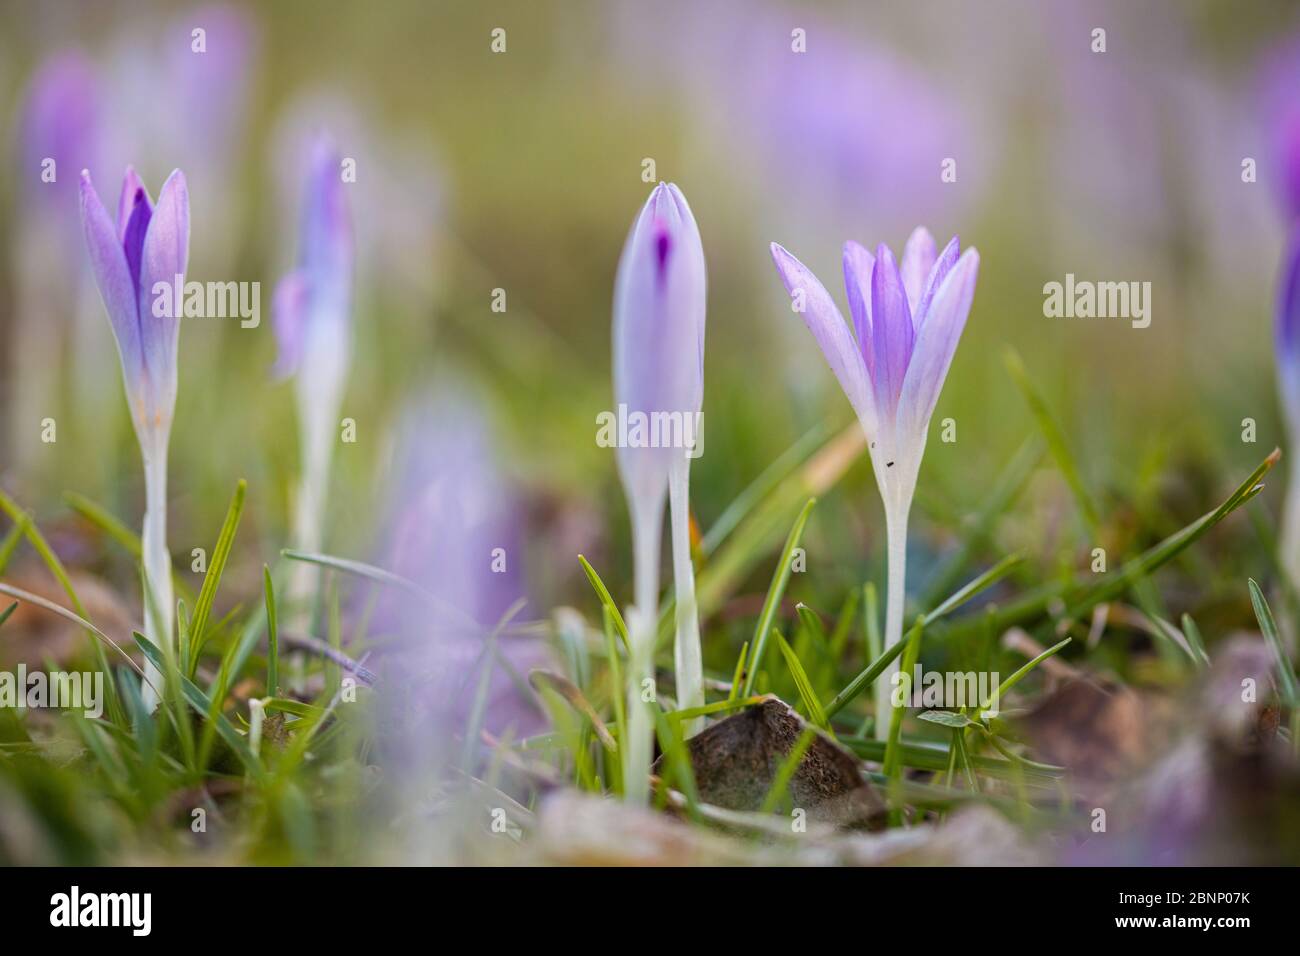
x=316, y=434
x=647, y=539
x=687, y=664
x=158, y=602
x=896, y=540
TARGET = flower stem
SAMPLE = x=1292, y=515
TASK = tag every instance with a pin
x=687, y=665
x=896, y=542
x=158, y=604
x=647, y=540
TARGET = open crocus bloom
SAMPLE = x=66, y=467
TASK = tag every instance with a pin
x=908, y=320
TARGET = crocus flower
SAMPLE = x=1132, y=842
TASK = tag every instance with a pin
x=456, y=527
x=313, y=329
x=148, y=247
x=658, y=334
x=1287, y=347
x=907, y=321
x=57, y=135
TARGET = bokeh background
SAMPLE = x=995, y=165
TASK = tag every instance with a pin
x=523, y=171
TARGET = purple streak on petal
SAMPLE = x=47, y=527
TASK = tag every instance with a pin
x=113, y=277
x=164, y=255
x=1287, y=330
x=133, y=230
x=288, y=320
x=892, y=333
x=832, y=334
x=935, y=346
x=132, y=185
x=918, y=259
x=858, y=266
x=938, y=272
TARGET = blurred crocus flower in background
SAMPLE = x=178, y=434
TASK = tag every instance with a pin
x=313, y=329
x=148, y=247
x=57, y=136
x=1287, y=345
x=1279, y=107
x=455, y=528
x=658, y=337
x=908, y=320
x=197, y=69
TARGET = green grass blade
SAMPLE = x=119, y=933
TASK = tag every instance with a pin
x=864, y=679
x=272, y=635
x=985, y=581
x=1285, y=674
x=780, y=579
x=811, y=704
x=785, y=773
x=212, y=580
x=607, y=601
x=103, y=519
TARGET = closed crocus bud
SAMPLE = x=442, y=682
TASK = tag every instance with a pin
x=313, y=328
x=659, y=300
x=658, y=332
x=139, y=266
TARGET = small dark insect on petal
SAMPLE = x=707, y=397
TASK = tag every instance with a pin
x=889, y=464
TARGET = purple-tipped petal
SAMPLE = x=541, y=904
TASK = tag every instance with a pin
x=113, y=277
x=164, y=256
x=132, y=187
x=891, y=329
x=1287, y=331
x=935, y=346
x=938, y=272
x=832, y=334
x=288, y=320
x=858, y=265
x=918, y=259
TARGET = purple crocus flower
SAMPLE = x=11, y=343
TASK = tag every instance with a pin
x=312, y=310
x=1277, y=83
x=57, y=135
x=659, y=309
x=907, y=320
x=137, y=264
x=455, y=526
x=1287, y=346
